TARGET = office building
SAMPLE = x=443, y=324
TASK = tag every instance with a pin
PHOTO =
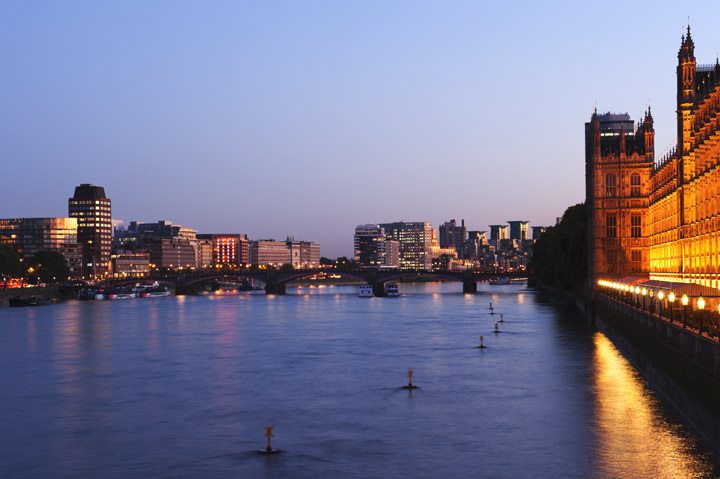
x=27, y=236
x=374, y=249
x=92, y=210
x=519, y=230
x=415, y=243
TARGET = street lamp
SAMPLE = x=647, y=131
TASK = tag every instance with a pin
x=660, y=297
x=671, y=298
x=684, y=300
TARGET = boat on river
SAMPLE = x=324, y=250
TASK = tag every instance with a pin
x=28, y=301
x=154, y=290
x=500, y=281
x=365, y=291
x=391, y=290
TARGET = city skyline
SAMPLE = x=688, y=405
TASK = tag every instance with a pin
x=310, y=119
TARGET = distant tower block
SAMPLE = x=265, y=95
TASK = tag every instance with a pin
x=519, y=230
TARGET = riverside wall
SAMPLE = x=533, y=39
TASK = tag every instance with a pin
x=681, y=364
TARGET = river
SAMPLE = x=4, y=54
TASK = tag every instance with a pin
x=184, y=387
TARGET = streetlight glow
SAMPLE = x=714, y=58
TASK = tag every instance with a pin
x=684, y=300
x=701, y=303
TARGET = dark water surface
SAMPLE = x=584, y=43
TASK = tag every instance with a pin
x=183, y=387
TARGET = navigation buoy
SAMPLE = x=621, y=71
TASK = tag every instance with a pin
x=268, y=435
x=496, y=328
x=482, y=344
x=410, y=384
x=501, y=318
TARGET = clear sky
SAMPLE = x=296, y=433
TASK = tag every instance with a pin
x=307, y=118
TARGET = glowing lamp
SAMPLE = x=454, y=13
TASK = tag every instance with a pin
x=644, y=292
x=671, y=297
x=637, y=290
x=701, y=303
x=661, y=295
x=684, y=300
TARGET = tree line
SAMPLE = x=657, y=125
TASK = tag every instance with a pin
x=560, y=253
x=43, y=267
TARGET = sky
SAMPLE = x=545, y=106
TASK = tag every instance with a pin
x=307, y=118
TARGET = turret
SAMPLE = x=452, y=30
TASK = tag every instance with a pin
x=648, y=133
x=685, y=90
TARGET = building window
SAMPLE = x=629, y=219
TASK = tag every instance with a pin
x=610, y=185
x=635, y=184
x=611, y=226
x=635, y=230
x=636, y=258
x=612, y=261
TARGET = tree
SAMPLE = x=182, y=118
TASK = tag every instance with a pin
x=560, y=253
x=49, y=267
x=10, y=266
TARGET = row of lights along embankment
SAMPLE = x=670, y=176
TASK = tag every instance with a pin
x=685, y=300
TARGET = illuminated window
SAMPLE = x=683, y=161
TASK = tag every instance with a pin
x=611, y=226
x=635, y=229
x=635, y=184
x=610, y=185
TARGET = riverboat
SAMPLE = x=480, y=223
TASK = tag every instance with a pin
x=391, y=290
x=151, y=290
x=500, y=281
x=365, y=291
x=28, y=301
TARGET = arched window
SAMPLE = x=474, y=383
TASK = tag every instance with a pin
x=610, y=185
x=635, y=184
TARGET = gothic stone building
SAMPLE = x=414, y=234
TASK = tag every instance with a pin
x=661, y=218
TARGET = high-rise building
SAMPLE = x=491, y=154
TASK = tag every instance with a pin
x=415, y=243
x=92, y=209
x=537, y=231
x=498, y=232
x=519, y=230
x=453, y=236
x=373, y=249
x=30, y=235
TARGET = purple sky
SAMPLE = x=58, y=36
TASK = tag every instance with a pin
x=306, y=118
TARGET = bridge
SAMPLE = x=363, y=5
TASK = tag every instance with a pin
x=276, y=281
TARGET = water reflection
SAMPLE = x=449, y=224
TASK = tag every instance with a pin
x=634, y=439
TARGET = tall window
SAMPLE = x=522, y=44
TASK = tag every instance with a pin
x=611, y=226
x=611, y=256
x=610, y=185
x=636, y=258
x=635, y=184
x=635, y=229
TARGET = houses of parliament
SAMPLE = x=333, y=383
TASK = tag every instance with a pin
x=658, y=217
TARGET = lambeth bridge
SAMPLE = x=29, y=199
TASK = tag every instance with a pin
x=276, y=281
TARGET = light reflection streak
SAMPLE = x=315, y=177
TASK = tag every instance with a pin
x=633, y=438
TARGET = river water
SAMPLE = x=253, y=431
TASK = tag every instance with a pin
x=184, y=387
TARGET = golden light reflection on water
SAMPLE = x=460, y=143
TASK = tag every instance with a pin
x=634, y=437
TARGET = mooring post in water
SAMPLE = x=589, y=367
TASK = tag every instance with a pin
x=501, y=318
x=496, y=328
x=482, y=344
x=268, y=435
x=410, y=376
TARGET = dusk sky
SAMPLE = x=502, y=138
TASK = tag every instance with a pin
x=307, y=118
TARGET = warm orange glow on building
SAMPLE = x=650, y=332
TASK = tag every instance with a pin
x=660, y=218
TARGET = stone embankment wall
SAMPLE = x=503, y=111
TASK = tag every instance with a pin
x=681, y=364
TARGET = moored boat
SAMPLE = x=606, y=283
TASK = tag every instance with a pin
x=391, y=290
x=365, y=291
